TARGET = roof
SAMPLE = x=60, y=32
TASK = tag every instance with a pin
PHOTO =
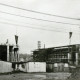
x=59, y=47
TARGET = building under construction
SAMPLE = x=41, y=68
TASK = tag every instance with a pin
x=9, y=53
x=69, y=54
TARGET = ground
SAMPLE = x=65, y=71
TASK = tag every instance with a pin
x=35, y=76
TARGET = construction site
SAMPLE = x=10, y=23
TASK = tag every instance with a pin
x=39, y=40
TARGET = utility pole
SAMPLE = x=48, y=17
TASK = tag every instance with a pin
x=16, y=48
x=70, y=35
x=69, y=54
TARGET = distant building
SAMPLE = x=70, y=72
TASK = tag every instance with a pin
x=63, y=54
x=8, y=53
x=25, y=57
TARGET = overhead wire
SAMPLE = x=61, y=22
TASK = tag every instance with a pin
x=39, y=12
x=35, y=27
x=32, y=27
x=39, y=19
x=30, y=23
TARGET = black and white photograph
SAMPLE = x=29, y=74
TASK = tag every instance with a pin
x=39, y=39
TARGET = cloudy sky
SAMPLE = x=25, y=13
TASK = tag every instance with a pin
x=30, y=30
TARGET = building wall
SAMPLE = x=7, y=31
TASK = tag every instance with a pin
x=33, y=67
x=5, y=67
x=64, y=54
x=36, y=67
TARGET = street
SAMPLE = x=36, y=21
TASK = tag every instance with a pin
x=35, y=76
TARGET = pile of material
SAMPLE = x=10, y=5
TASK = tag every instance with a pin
x=75, y=74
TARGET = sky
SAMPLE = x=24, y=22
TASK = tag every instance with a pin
x=31, y=31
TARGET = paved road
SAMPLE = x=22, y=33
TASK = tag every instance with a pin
x=35, y=76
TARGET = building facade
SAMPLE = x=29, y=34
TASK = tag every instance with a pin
x=64, y=54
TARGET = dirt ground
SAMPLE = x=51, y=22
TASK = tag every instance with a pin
x=35, y=76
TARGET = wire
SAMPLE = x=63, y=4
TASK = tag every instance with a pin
x=31, y=27
x=35, y=27
x=29, y=23
x=39, y=12
x=38, y=18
